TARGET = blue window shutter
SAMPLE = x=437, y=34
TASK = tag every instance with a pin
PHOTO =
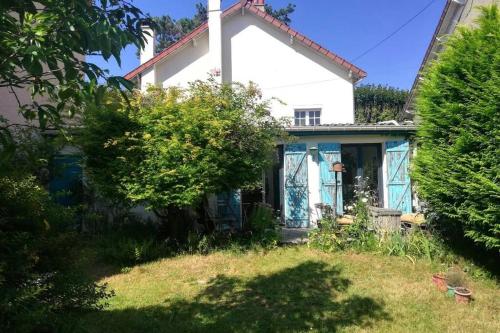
x=229, y=209
x=66, y=180
x=296, y=186
x=328, y=154
x=398, y=177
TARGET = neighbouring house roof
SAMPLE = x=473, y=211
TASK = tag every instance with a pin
x=402, y=129
x=356, y=71
x=446, y=25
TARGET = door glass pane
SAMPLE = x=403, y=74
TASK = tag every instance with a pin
x=350, y=161
x=362, y=164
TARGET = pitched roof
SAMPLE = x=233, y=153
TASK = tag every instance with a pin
x=277, y=23
x=446, y=25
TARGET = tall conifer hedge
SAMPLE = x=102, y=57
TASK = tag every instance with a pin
x=457, y=167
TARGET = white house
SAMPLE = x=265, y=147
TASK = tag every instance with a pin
x=242, y=44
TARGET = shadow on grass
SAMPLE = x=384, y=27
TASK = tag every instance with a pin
x=310, y=296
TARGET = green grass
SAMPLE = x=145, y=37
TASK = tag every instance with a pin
x=291, y=289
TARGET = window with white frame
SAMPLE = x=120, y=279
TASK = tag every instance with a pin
x=308, y=117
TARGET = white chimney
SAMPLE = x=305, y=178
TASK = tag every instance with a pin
x=260, y=4
x=215, y=38
x=148, y=52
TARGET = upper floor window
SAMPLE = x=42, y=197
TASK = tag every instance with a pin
x=307, y=117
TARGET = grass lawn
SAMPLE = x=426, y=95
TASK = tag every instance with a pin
x=291, y=289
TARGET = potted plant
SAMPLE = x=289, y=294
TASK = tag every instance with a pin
x=439, y=279
x=463, y=295
x=454, y=279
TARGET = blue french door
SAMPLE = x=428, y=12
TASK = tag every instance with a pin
x=296, y=186
x=328, y=154
x=398, y=177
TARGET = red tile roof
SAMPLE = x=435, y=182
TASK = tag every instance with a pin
x=277, y=23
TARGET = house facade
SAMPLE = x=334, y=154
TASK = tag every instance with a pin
x=243, y=44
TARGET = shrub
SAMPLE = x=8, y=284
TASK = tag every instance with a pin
x=122, y=249
x=202, y=243
x=327, y=238
x=170, y=148
x=263, y=225
x=358, y=236
x=457, y=166
x=37, y=254
x=455, y=278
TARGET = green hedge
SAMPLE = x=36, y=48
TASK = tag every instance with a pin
x=457, y=165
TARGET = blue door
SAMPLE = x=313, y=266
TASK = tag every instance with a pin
x=66, y=179
x=398, y=177
x=328, y=154
x=296, y=190
x=229, y=210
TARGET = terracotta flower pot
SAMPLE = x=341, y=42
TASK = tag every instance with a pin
x=440, y=281
x=462, y=295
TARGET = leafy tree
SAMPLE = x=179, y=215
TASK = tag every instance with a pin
x=457, y=167
x=43, y=45
x=374, y=103
x=178, y=145
x=282, y=14
x=169, y=31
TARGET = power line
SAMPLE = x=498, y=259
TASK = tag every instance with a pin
x=395, y=31
x=300, y=84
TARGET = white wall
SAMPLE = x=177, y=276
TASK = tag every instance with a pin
x=254, y=50
x=189, y=64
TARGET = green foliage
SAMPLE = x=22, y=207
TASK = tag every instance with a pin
x=331, y=237
x=44, y=49
x=416, y=244
x=263, y=225
x=169, y=31
x=457, y=167
x=328, y=237
x=282, y=14
x=30, y=154
x=455, y=278
x=374, y=103
x=262, y=218
x=117, y=249
x=37, y=277
x=175, y=146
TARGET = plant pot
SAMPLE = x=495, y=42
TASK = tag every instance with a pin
x=440, y=281
x=451, y=291
x=462, y=295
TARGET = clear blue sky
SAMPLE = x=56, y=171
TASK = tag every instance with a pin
x=347, y=27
